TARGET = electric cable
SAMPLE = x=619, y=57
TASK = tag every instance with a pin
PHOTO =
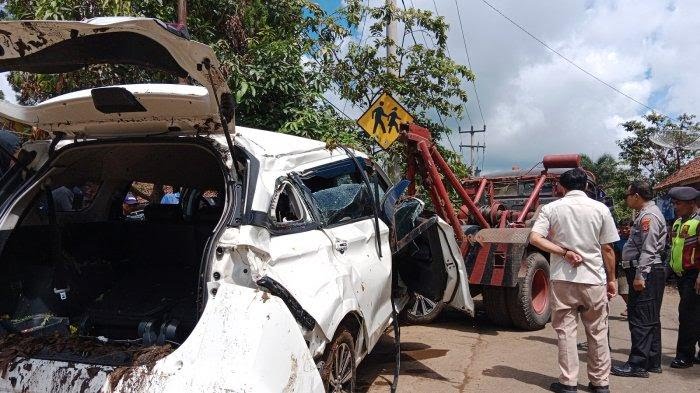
x=442, y=122
x=469, y=62
x=362, y=35
x=397, y=346
x=570, y=61
x=466, y=108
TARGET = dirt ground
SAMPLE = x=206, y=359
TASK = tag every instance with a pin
x=458, y=353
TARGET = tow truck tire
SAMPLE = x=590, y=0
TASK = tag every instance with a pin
x=496, y=306
x=421, y=310
x=529, y=302
x=339, y=368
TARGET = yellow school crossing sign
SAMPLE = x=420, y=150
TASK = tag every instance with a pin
x=383, y=119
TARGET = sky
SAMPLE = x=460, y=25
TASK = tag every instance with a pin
x=535, y=103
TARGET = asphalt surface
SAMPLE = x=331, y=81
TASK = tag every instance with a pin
x=458, y=353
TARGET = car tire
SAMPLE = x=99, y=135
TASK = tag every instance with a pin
x=529, y=302
x=339, y=370
x=496, y=305
x=422, y=310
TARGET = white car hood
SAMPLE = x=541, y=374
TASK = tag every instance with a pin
x=63, y=46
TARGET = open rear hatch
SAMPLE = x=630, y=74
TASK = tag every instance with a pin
x=49, y=47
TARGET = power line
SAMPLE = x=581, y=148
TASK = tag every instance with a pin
x=568, y=60
x=362, y=35
x=469, y=62
x=415, y=42
x=364, y=23
x=432, y=44
x=466, y=108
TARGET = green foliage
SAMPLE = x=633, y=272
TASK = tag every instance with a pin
x=613, y=178
x=428, y=82
x=647, y=159
x=282, y=58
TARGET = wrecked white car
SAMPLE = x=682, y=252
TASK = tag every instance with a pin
x=277, y=268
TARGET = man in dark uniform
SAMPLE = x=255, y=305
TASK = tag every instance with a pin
x=685, y=262
x=646, y=276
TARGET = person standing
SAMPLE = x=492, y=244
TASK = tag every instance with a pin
x=578, y=233
x=685, y=262
x=622, y=287
x=646, y=278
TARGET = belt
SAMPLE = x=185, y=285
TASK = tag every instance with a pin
x=629, y=264
x=635, y=263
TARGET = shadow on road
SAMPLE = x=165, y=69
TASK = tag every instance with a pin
x=378, y=368
x=528, y=377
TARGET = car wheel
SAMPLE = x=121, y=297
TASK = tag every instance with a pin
x=529, y=302
x=422, y=309
x=338, y=372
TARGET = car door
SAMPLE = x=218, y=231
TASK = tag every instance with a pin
x=126, y=110
x=345, y=205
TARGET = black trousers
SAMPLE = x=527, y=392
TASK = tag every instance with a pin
x=644, y=317
x=688, y=316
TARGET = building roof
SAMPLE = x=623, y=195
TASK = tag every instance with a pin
x=686, y=175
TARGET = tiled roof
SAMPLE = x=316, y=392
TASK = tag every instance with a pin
x=688, y=174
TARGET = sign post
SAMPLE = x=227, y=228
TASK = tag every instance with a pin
x=382, y=120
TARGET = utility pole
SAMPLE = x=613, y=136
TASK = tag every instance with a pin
x=391, y=35
x=471, y=145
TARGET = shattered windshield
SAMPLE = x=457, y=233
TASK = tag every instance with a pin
x=340, y=193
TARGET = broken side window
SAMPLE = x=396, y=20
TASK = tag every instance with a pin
x=286, y=207
x=340, y=193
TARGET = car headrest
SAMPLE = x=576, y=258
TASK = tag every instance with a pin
x=163, y=213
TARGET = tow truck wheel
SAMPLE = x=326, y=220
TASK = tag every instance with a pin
x=495, y=303
x=422, y=309
x=338, y=372
x=529, y=301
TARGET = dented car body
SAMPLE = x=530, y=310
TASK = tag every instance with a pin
x=278, y=269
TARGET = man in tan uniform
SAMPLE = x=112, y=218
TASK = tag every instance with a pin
x=578, y=233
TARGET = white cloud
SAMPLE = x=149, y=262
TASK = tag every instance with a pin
x=536, y=103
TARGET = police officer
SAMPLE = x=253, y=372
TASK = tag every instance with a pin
x=685, y=262
x=646, y=276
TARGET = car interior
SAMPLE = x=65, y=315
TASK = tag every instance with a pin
x=128, y=274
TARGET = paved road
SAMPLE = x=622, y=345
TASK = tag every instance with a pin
x=458, y=354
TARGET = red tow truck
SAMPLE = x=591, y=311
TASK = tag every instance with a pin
x=492, y=222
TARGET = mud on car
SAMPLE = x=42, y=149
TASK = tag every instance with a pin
x=278, y=267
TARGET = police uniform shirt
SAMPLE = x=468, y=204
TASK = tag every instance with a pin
x=647, y=239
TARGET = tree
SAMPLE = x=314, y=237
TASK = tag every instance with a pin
x=428, y=82
x=647, y=158
x=282, y=58
x=613, y=178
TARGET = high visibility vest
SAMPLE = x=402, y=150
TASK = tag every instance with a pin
x=684, y=245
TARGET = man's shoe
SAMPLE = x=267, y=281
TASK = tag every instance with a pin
x=561, y=388
x=598, y=389
x=681, y=363
x=628, y=370
x=655, y=370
